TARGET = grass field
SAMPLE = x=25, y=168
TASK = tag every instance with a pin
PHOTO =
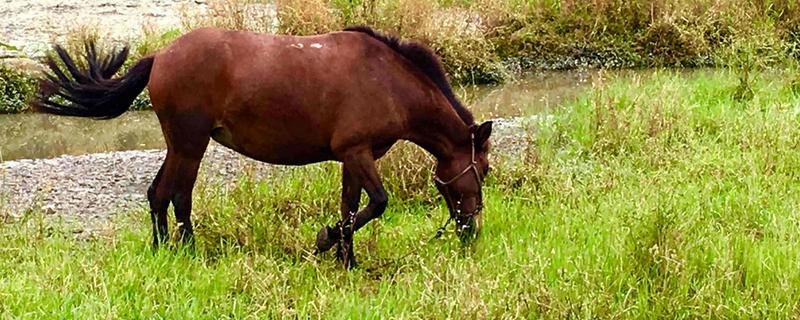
x=655, y=196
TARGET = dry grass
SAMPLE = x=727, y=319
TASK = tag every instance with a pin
x=250, y=15
x=481, y=40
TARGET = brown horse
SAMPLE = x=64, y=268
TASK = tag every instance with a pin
x=345, y=96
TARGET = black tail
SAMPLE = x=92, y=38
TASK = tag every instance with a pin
x=90, y=91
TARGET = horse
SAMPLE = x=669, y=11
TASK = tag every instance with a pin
x=345, y=96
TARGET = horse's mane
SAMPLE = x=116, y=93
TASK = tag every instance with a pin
x=426, y=60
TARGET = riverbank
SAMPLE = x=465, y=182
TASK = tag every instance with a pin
x=480, y=41
x=31, y=26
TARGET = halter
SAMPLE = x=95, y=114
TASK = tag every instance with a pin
x=449, y=200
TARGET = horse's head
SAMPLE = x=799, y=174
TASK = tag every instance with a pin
x=459, y=180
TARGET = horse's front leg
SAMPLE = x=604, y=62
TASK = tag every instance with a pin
x=359, y=173
x=351, y=195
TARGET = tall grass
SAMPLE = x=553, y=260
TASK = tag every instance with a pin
x=654, y=196
x=487, y=40
x=474, y=36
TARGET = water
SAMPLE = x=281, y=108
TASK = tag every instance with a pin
x=32, y=136
x=35, y=136
x=534, y=93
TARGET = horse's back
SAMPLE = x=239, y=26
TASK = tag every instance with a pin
x=304, y=97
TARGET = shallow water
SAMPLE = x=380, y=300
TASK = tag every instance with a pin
x=34, y=136
x=534, y=93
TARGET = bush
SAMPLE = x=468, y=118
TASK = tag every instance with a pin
x=16, y=87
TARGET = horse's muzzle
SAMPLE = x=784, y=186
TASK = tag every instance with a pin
x=468, y=227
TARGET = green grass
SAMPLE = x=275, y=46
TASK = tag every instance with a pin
x=16, y=87
x=655, y=196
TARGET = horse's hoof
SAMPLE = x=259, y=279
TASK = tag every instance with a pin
x=325, y=239
x=349, y=262
x=188, y=244
x=157, y=244
x=187, y=238
x=352, y=264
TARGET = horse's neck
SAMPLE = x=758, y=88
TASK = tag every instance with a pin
x=439, y=133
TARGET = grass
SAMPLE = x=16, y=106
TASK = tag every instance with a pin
x=15, y=88
x=657, y=196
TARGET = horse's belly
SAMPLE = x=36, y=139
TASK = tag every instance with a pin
x=273, y=148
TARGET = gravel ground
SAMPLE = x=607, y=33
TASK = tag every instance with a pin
x=90, y=188
x=32, y=25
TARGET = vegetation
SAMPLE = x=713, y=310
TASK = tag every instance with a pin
x=15, y=88
x=485, y=41
x=482, y=40
x=655, y=196
x=670, y=195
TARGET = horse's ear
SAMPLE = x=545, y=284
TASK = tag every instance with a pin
x=482, y=133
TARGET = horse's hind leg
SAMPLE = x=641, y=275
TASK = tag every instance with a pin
x=178, y=174
x=182, y=196
x=158, y=209
x=174, y=182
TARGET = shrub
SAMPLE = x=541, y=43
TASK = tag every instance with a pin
x=16, y=87
x=306, y=17
x=456, y=33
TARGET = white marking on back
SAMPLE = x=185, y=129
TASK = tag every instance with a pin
x=316, y=45
x=298, y=46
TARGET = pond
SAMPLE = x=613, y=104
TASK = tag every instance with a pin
x=35, y=136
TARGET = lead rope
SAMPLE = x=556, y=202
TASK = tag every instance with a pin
x=350, y=220
x=440, y=232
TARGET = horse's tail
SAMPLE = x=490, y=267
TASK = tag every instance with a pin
x=90, y=91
